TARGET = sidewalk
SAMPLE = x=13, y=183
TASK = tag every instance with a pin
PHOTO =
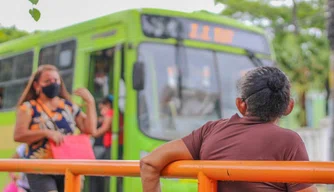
x=324, y=188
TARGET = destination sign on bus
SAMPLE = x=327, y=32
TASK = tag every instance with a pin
x=156, y=26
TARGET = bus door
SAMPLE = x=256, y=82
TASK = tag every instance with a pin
x=105, y=68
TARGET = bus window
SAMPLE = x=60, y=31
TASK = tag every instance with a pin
x=267, y=62
x=200, y=82
x=66, y=55
x=6, y=69
x=164, y=113
x=47, y=55
x=62, y=56
x=65, y=58
x=231, y=68
x=22, y=69
x=14, y=75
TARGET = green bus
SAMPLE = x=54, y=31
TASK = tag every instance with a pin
x=169, y=72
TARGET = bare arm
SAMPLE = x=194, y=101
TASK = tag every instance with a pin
x=309, y=189
x=106, y=126
x=21, y=131
x=87, y=123
x=153, y=164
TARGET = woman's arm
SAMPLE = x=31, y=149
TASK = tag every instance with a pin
x=106, y=126
x=22, y=133
x=87, y=123
x=153, y=164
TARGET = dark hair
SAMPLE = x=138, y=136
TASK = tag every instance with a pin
x=29, y=92
x=107, y=101
x=266, y=91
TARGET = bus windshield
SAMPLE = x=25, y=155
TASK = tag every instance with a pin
x=208, y=88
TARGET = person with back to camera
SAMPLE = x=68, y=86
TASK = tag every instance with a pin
x=264, y=97
x=46, y=113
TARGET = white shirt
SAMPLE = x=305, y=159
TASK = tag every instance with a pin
x=23, y=181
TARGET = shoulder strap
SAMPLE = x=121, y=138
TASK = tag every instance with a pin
x=54, y=123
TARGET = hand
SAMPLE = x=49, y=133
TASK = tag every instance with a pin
x=84, y=94
x=14, y=176
x=55, y=136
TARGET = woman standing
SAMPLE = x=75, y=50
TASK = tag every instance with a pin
x=46, y=113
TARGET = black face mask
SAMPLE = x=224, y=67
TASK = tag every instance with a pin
x=51, y=90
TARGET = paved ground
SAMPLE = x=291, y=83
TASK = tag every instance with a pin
x=325, y=188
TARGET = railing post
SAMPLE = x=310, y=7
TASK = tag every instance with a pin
x=205, y=184
x=72, y=182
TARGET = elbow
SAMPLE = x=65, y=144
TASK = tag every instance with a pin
x=144, y=161
x=18, y=138
x=148, y=166
x=19, y=134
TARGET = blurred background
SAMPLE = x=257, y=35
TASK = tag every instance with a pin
x=301, y=33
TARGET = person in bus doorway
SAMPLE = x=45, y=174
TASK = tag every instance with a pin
x=45, y=112
x=104, y=130
x=102, y=142
x=264, y=97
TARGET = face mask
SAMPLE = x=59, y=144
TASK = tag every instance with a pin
x=51, y=90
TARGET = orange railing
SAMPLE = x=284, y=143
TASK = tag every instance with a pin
x=207, y=172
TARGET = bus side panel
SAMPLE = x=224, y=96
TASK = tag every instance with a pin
x=7, y=144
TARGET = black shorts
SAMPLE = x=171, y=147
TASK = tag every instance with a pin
x=46, y=183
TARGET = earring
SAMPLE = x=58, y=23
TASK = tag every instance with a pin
x=37, y=92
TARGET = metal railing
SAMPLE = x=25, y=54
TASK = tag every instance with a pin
x=207, y=172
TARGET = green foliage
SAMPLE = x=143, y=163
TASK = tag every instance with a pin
x=10, y=33
x=34, y=12
x=300, y=43
x=34, y=1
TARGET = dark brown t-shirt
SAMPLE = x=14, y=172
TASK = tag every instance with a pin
x=247, y=138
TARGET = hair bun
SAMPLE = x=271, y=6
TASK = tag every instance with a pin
x=275, y=84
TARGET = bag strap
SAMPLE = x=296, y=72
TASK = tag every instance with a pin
x=50, y=118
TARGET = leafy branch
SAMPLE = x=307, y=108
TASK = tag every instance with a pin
x=35, y=13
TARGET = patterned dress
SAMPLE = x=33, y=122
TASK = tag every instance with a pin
x=64, y=117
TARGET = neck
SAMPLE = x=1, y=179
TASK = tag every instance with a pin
x=47, y=101
x=275, y=121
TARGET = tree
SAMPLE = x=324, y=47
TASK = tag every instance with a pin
x=330, y=36
x=10, y=33
x=300, y=43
